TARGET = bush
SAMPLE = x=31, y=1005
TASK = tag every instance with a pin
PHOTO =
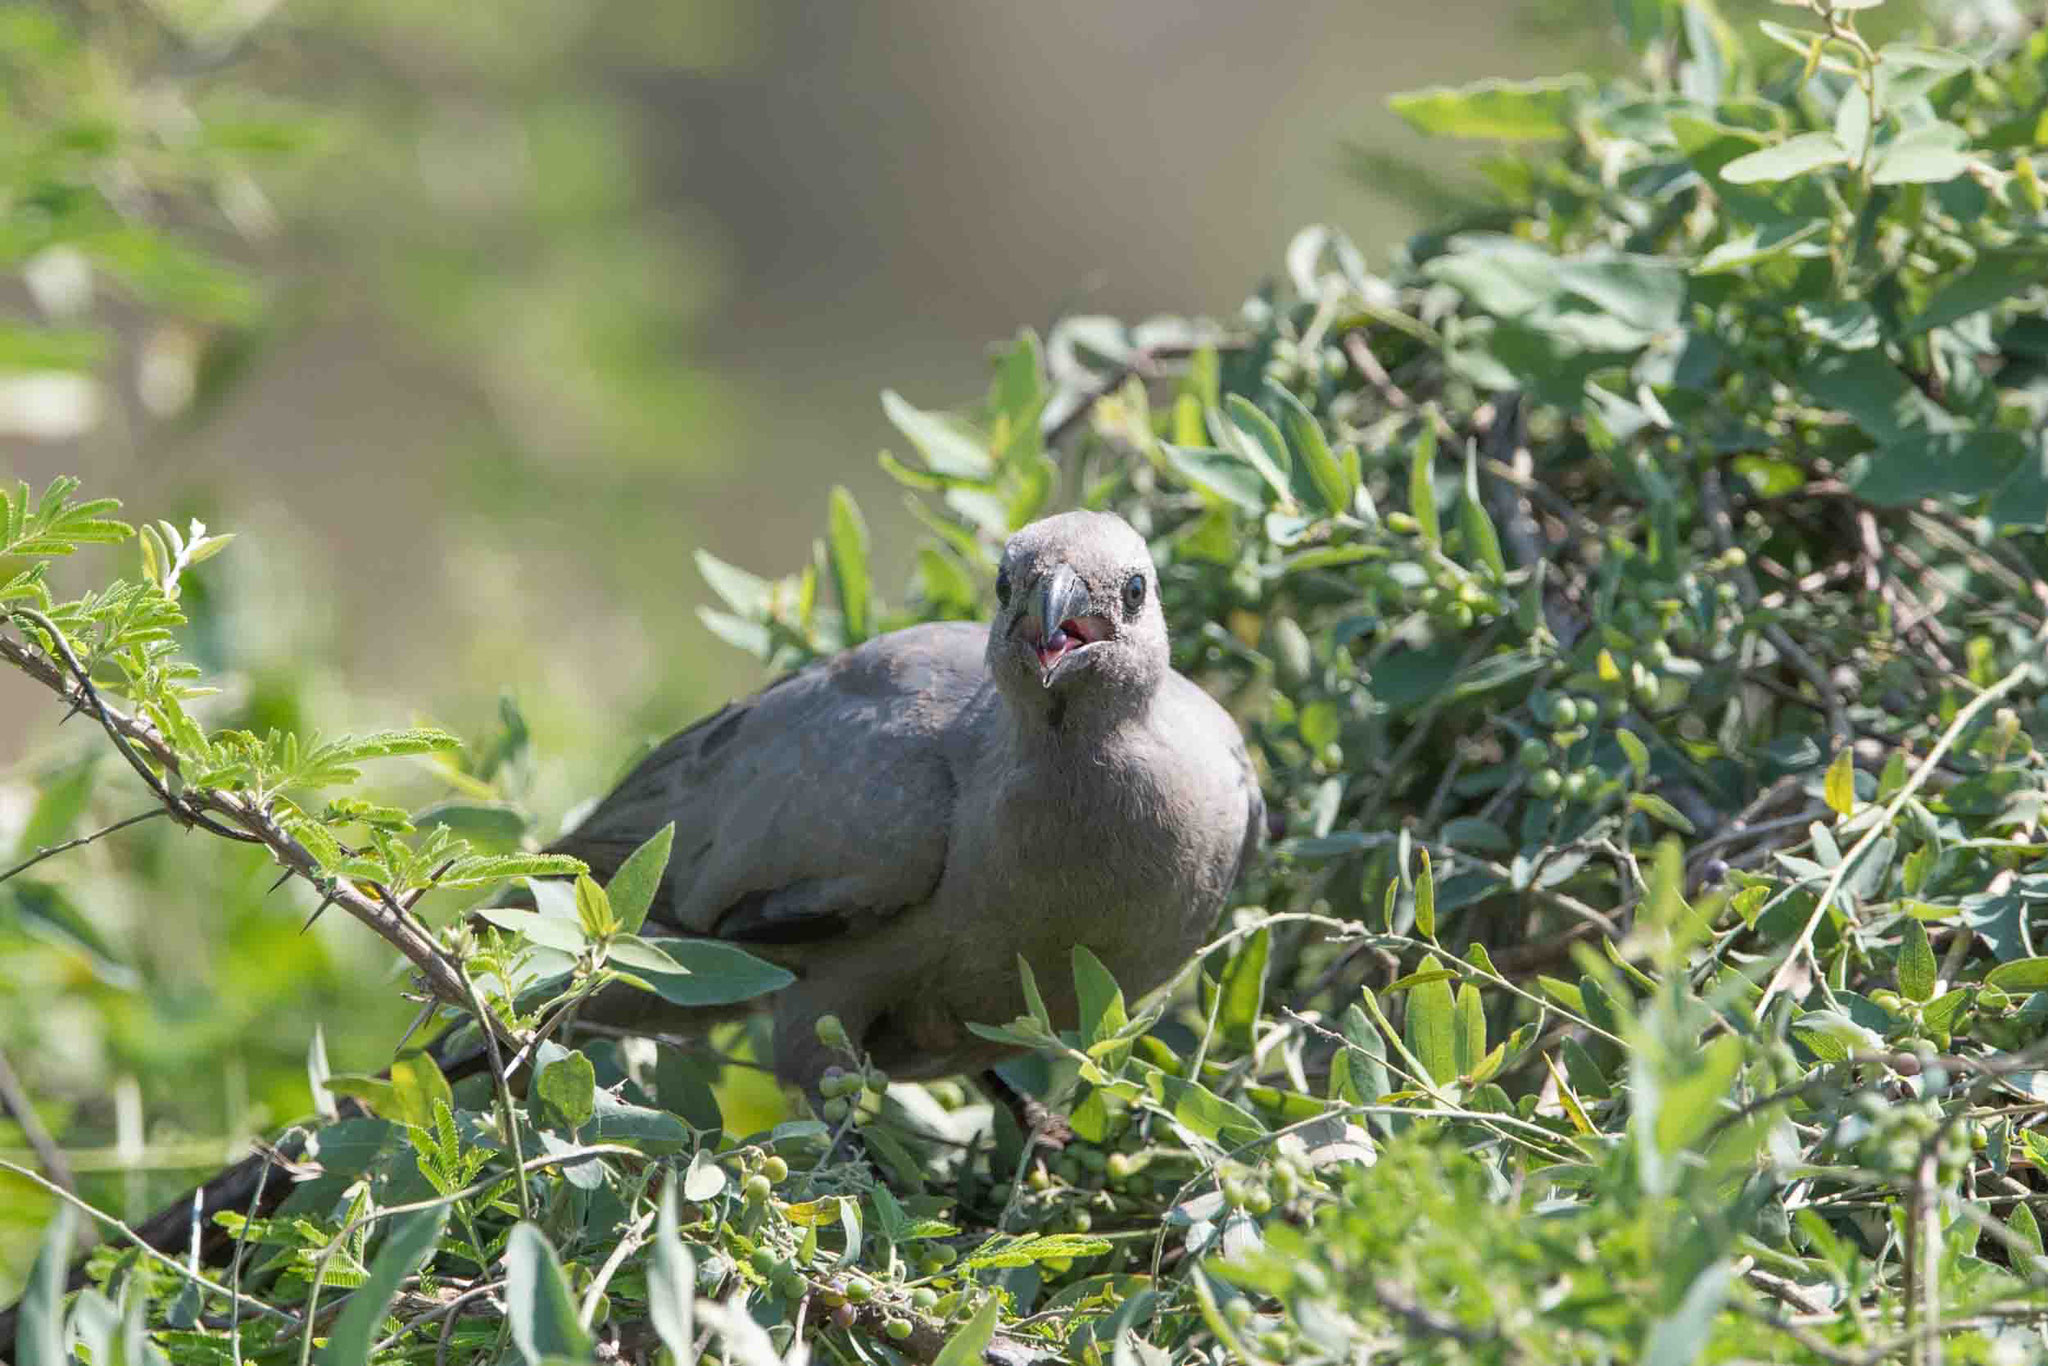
x=1635, y=598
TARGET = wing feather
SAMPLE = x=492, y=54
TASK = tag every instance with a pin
x=825, y=799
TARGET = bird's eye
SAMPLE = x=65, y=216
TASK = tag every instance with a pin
x=1134, y=593
x=1002, y=587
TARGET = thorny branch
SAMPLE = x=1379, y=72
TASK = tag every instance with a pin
x=251, y=821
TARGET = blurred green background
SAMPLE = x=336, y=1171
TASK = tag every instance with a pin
x=536, y=297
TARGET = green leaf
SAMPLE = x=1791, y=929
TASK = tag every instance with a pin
x=594, y=908
x=1469, y=1038
x=1794, y=156
x=537, y=1300
x=2021, y=974
x=703, y=1179
x=1495, y=671
x=1638, y=753
x=1101, y=1000
x=1840, y=787
x=641, y=955
x=672, y=1282
x=568, y=1086
x=564, y=936
x=1678, y=1338
x=1996, y=277
x=1333, y=484
x=946, y=446
x=714, y=973
x=1833, y=1036
x=493, y=823
x=1482, y=542
x=1940, y=1013
x=418, y=1086
x=1650, y=804
x=1034, y=1003
x=477, y=870
x=1226, y=474
x=404, y=1252
x=847, y=550
x=1421, y=484
x=1431, y=1027
x=387, y=744
x=1425, y=900
x=1254, y=435
x=633, y=887
x=1687, y=1106
x=1767, y=242
x=1244, y=990
x=39, y=1329
x=1006, y=1249
x=1916, y=961
x=1508, y=111
x=1927, y=155
x=746, y=593
x=1202, y=1111
x=965, y=1347
x=2025, y=1226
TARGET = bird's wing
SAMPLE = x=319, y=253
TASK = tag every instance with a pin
x=824, y=799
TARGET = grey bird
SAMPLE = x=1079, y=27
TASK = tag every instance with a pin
x=896, y=824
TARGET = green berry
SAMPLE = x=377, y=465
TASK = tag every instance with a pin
x=765, y=1262
x=924, y=1297
x=1080, y=1221
x=776, y=1170
x=757, y=1189
x=791, y=1286
x=877, y=1081
x=1533, y=754
x=836, y=1110
x=898, y=1329
x=831, y=1032
x=1564, y=712
x=1575, y=785
x=859, y=1291
x=1547, y=783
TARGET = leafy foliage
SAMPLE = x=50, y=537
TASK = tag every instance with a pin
x=1636, y=599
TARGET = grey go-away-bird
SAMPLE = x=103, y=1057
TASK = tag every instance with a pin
x=896, y=824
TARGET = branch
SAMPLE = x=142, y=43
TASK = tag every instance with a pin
x=252, y=822
x=53, y=850
x=14, y=1099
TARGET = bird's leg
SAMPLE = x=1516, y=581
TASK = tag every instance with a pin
x=1039, y=1122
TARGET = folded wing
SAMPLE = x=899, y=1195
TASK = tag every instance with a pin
x=821, y=802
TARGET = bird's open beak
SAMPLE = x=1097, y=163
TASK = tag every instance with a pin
x=1058, y=610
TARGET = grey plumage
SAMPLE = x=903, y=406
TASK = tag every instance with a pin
x=897, y=823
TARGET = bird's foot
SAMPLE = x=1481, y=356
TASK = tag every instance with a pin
x=1042, y=1125
x=1046, y=1127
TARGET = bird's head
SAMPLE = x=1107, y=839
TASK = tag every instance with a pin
x=1077, y=616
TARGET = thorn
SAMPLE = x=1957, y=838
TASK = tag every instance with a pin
x=282, y=878
x=325, y=902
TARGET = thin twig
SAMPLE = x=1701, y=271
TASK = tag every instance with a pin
x=135, y=736
x=176, y=1267
x=14, y=1096
x=53, y=850
x=1803, y=945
